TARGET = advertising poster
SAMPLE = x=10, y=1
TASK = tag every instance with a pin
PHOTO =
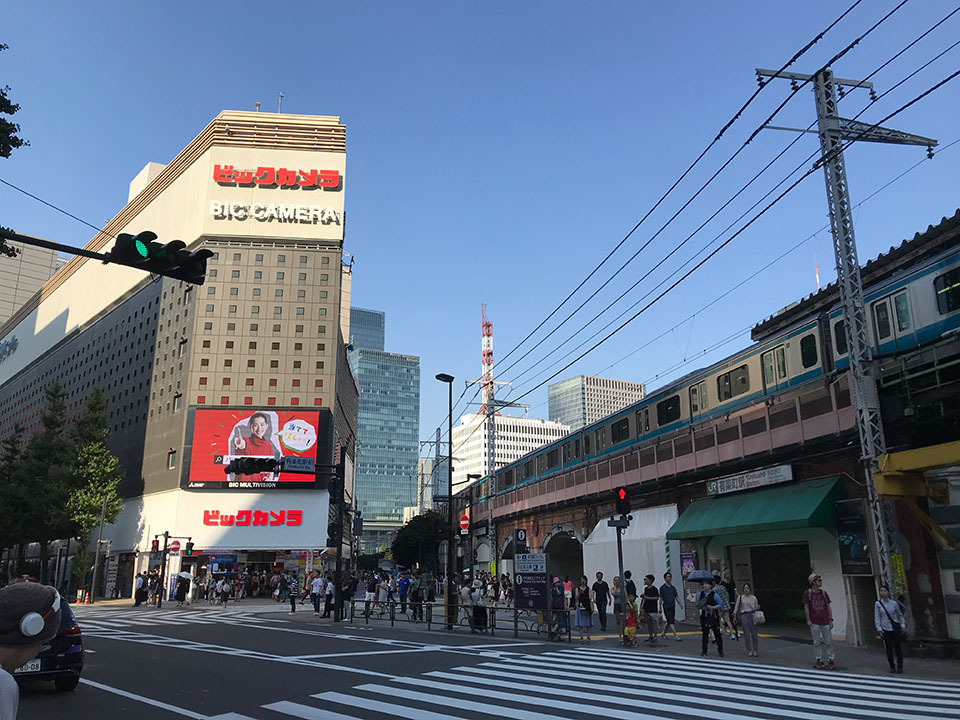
x=217, y=436
x=852, y=538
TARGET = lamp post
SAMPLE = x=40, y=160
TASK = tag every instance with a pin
x=448, y=379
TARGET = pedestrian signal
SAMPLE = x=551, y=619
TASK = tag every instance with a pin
x=622, y=503
x=155, y=546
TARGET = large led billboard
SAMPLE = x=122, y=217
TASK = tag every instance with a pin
x=215, y=436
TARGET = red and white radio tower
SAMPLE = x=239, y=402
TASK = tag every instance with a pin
x=486, y=353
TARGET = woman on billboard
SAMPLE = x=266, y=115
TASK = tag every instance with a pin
x=257, y=441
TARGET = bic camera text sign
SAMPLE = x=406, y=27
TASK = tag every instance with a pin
x=276, y=178
x=750, y=480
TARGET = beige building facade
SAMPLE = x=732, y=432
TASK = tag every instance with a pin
x=264, y=193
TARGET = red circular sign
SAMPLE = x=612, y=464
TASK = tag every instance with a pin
x=464, y=522
x=175, y=546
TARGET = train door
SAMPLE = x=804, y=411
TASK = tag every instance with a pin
x=892, y=323
x=775, y=370
x=698, y=401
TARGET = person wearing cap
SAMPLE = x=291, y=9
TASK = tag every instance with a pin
x=816, y=606
x=29, y=619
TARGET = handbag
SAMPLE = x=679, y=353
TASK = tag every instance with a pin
x=758, y=617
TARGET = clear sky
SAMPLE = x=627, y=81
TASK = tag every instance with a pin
x=496, y=151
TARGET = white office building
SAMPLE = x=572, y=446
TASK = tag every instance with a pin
x=584, y=399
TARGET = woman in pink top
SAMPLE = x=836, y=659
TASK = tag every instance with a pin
x=568, y=591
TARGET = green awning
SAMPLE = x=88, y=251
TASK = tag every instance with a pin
x=798, y=505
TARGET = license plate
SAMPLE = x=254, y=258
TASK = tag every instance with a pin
x=29, y=666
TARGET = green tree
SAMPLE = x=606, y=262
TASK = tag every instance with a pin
x=9, y=140
x=11, y=498
x=96, y=477
x=418, y=542
x=46, y=478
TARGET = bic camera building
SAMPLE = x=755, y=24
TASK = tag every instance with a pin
x=251, y=363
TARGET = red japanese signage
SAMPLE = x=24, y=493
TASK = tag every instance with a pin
x=272, y=177
x=255, y=518
x=219, y=435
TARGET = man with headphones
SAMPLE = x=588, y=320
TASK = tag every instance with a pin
x=29, y=619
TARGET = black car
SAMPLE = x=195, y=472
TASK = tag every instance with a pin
x=62, y=660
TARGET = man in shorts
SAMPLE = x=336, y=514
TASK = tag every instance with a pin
x=669, y=600
x=651, y=608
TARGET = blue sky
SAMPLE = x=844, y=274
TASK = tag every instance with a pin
x=497, y=151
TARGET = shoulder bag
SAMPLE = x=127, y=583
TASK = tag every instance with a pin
x=897, y=630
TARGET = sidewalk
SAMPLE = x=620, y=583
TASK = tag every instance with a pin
x=774, y=649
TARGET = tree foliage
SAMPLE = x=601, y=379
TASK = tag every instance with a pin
x=11, y=495
x=418, y=542
x=9, y=140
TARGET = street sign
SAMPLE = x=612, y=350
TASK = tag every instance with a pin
x=519, y=541
x=297, y=464
x=530, y=586
x=174, y=547
x=464, y=522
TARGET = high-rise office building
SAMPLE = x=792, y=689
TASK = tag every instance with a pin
x=388, y=429
x=367, y=328
x=584, y=399
x=515, y=437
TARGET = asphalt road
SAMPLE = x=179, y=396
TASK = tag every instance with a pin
x=236, y=665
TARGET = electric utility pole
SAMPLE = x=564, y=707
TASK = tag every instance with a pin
x=833, y=131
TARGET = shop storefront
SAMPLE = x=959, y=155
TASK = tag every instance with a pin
x=772, y=538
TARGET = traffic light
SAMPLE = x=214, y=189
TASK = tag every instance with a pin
x=188, y=549
x=172, y=259
x=251, y=465
x=622, y=501
x=155, y=546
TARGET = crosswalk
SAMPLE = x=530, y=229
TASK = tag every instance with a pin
x=93, y=619
x=587, y=682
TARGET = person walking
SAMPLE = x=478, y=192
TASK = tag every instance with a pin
x=416, y=596
x=558, y=604
x=139, y=590
x=725, y=605
x=630, y=622
x=293, y=586
x=709, y=604
x=370, y=595
x=888, y=618
x=628, y=584
x=651, y=608
x=316, y=588
x=601, y=595
x=225, y=589
x=819, y=614
x=584, y=604
x=617, y=593
x=745, y=614
x=669, y=600
x=727, y=615
x=403, y=587
x=180, y=594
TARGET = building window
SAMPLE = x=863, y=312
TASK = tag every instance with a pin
x=208, y=326
x=212, y=273
x=277, y=310
x=279, y=276
x=323, y=312
x=231, y=327
x=231, y=308
x=236, y=257
x=235, y=274
x=215, y=257
x=201, y=399
x=258, y=258
x=318, y=382
x=251, y=363
x=206, y=343
x=248, y=400
x=276, y=328
x=278, y=292
x=323, y=294
x=275, y=346
x=211, y=290
x=303, y=258
x=271, y=401
x=254, y=309
x=273, y=382
x=281, y=258
x=204, y=362
x=298, y=347
x=203, y=381
x=321, y=347
x=209, y=308
x=325, y=260
x=274, y=364
x=257, y=275
x=294, y=401
x=318, y=401
x=256, y=292
x=226, y=382
x=319, y=364
x=300, y=311
x=172, y=460
x=234, y=291
x=296, y=383
x=254, y=327
x=298, y=329
x=301, y=293
x=253, y=345
x=227, y=363
x=296, y=364
x=324, y=277
x=224, y=399
x=176, y=403
x=249, y=382
x=302, y=277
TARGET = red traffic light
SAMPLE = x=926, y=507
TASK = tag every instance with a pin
x=623, y=502
x=622, y=494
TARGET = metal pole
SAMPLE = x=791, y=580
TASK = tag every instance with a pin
x=96, y=559
x=450, y=537
x=623, y=584
x=163, y=571
x=50, y=245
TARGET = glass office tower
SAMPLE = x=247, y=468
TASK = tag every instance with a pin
x=388, y=430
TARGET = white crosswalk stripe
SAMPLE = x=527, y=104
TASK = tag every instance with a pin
x=94, y=619
x=592, y=682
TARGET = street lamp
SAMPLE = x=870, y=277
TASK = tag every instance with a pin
x=448, y=379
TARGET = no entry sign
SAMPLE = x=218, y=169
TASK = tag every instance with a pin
x=175, y=546
x=464, y=522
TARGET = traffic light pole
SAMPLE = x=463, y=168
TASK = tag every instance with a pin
x=161, y=584
x=50, y=245
x=620, y=524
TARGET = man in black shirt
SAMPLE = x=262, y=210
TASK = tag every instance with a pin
x=651, y=607
x=629, y=585
x=601, y=593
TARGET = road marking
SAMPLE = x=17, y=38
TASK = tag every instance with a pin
x=486, y=707
x=157, y=703
x=306, y=712
x=387, y=709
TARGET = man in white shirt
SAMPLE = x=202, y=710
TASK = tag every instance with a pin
x=328, y=597
x=316, y=587
x=29, y=618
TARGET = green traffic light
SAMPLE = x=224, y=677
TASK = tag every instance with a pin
x=141, y=247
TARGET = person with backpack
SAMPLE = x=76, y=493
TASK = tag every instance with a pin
x=888, y=619
x=225, y=589
x=709, y=604
x=816, y=607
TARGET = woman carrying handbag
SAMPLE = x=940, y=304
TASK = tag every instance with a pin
x=888, y=618
x=748, y=615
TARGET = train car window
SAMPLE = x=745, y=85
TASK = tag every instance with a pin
x=947, y=287
x=528, y=469
x=781, y=356
x=508, y=478
x=774, y=365
x=576, y=448
x=643, y=421
x=840, y=338
x=808, y=350
x=586, y=444
x=733, y=383
x=566, y=453
x=668, y=410
x=698, y=397
x=553, y=458
x=881, y=317
x=620, y=430
x=902, y=308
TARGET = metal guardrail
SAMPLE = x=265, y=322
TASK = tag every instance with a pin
x=554, y=623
